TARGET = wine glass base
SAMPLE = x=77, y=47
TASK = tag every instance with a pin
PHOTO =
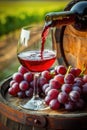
x=35, y=104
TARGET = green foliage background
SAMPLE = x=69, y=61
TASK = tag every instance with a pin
x=14, y=15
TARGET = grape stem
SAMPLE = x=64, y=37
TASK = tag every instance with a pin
x=83, y=70
x=68, y=70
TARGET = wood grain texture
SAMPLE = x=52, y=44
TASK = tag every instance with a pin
x=2, y=127
x=75, y=47
x=72, y=44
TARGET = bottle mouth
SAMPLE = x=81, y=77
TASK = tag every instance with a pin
x=48, y=23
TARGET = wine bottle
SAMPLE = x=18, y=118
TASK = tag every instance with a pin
x=77, y=16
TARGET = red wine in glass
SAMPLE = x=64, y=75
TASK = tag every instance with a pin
x=33, y=62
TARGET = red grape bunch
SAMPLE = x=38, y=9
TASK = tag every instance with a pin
x=22, y=83
x=60, y=87
x=66, y=89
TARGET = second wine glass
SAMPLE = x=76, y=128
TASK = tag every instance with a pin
x=36, y=55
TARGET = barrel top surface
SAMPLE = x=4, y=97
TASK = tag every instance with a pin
x=10, y=108
x=14, y=103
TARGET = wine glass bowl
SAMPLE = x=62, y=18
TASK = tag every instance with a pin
x=35, y=52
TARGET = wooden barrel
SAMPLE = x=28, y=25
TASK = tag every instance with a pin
x=16, y=118
x=72, y=44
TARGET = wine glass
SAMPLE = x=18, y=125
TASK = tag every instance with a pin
x=34, y=51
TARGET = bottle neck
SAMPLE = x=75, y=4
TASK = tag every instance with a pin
x=60, y=18
x=77, y=16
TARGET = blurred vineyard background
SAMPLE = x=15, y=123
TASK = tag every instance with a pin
x=13, y=15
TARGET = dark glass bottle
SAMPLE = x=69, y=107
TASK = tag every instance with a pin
x=77, y=16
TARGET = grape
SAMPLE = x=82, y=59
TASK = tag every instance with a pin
x=42, y=81
x=22, y=69
x=29, y=92
x=59, y=78
x=45, y=86
x=47, y=99
x=78, y=71
x=28, y=76
x=62, y=97
x=74, y=95
x=78, y=78
x=46, y=74
x=75, y=71
x=11, y=91
x=14, y=89
x=31, y=84
x=79, y=82
x=18, y=77
x=54, y=104
x=53, y=93
x=70, y=106
x=21, y=94
x=77, y=88
x=54, y=84
x=23, y=85
x=69, y=79
x=66, y=88
x=61, y=69
x=47, y=90
x=12, y=82
x=84, y=88
x=80, y=104
x=85, y=78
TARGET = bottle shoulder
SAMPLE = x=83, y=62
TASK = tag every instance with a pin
x=80, y=8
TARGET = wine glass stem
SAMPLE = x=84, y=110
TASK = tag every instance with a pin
x=33, y=128
x=35, y=93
